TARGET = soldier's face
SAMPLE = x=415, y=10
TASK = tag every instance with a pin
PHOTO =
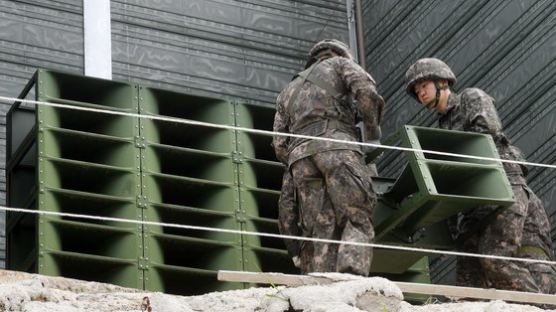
x=426, y=92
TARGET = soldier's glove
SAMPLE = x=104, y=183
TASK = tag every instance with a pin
x=371, y=152
x=296, y=262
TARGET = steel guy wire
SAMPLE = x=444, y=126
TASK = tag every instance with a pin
x=266, y=132
x=271, y=235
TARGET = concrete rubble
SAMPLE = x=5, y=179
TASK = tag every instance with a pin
x=35, y=293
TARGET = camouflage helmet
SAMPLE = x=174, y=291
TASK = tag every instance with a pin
x=336, y=46
x=427, y=69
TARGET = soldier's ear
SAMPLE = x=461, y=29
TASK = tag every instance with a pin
x=443, y=84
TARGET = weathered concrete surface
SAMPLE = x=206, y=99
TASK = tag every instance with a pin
x=35, y=293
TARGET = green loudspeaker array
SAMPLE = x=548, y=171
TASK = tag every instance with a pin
x=260, y=183
x=189, y=178
x=85, y=163
x=160, y=169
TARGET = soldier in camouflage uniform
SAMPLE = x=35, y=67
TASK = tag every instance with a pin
x=521, y=230
x=334, y=198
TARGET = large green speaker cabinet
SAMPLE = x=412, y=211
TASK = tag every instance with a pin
x=143, y=169
x=432, y=188
x=143, y=163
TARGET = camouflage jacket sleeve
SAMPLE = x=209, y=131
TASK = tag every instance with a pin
x=281, y=124
x=288, y=215
x=480, y=113
x=363, y=90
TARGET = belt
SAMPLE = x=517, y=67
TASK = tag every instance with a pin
x=319, y=127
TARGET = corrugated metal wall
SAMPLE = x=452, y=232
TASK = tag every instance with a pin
x=225, y=48
x=506, y=48
x=39, y=33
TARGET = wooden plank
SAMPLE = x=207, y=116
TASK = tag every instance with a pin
x=414, y=288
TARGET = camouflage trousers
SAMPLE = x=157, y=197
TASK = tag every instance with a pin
x=517, y=231
x=335, y=201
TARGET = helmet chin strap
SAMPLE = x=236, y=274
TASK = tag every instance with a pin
x=433, y=105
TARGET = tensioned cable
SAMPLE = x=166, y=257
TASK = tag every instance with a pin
x=263, y=234
x=268, y=133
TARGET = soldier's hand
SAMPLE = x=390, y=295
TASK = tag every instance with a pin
x=372, y=152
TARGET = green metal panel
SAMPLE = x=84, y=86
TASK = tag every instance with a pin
x=83, y=163
x=21, y=156
x=188, y=177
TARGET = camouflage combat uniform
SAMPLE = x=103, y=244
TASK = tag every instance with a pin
x=333, y=188
x=521, y=230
